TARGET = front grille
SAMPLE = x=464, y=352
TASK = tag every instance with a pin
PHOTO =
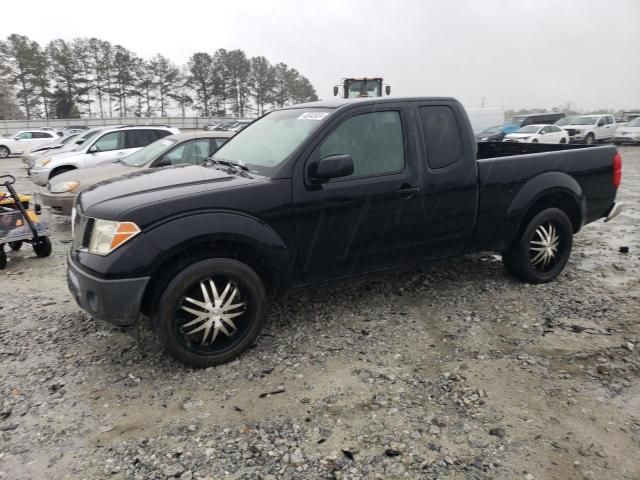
x=572, y=132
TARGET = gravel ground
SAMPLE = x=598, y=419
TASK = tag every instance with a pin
x=453, y=371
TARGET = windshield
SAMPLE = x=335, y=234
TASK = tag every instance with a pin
x=492, y=130
x=583, y=120
x=529, y=129
x=267, y=142
x=514, y=121
x=81, y=140
x=150, y=152
x=358, y=89
x=634, y=123
x=565, y=121
x=68, y=139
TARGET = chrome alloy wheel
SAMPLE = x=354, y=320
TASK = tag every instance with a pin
x=543, y=251
x=214, y=313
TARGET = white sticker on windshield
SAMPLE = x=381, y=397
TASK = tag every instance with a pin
x=313, y=115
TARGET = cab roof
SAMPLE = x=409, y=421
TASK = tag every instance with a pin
x=344, y=102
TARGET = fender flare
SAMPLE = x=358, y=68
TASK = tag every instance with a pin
x=178, y=234
x=548, y=183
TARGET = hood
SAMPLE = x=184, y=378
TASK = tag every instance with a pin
x=520, y=135
x=88, y=177
x=577, y=127
x=58, y=153
x=112, y=199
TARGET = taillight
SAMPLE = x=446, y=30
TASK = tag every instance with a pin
x=617, y=169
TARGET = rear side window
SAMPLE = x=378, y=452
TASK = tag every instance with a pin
x=441, y=135
x=141, y=138
x=374, y=140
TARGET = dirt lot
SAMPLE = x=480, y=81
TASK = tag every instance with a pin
x=454, y=371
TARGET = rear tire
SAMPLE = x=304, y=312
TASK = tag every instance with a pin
x=534, y=141
x=211, y=312
x=563, y=141
x=15, y=245
x=3, y=257
x=42, y=246
x=543, y=248
x=4, y=152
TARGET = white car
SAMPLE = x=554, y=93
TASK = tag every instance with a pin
x=538, y=134
x=98, y=147
x=629, y=133
x=589, y=128
x=25, y=139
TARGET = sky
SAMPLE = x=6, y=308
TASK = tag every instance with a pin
x=513, y=53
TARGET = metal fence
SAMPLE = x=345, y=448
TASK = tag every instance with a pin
x=184, y=123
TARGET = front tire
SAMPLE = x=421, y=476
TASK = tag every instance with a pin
x=590, y=139
x=4, y=152
x=541, y=252
x=211, y=312
x=563, y=141
x=15, y=245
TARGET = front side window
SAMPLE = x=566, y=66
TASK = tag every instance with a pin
x=110, y=141
x=441, y=135
x=192, y=152
x=374, y=140
x=23, y=136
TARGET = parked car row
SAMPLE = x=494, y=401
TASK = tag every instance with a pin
x=558, y=128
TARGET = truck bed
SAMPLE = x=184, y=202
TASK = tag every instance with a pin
x=504, y=169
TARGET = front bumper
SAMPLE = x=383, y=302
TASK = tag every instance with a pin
x=114, y=301
x=40, y=176
x=60, y=203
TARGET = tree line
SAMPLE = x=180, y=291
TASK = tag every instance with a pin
x=95, y=78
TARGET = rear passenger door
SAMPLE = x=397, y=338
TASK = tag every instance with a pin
x=450, y=199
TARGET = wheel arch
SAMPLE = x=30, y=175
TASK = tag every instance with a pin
x=211, y=235
x=551, y=189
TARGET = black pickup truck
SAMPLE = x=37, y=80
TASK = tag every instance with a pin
x=319, y=192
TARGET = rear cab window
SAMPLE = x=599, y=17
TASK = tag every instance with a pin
x=441, y=134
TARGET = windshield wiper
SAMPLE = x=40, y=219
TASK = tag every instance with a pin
x=235, y=166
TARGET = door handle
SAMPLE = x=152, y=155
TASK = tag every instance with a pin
x=407, y=191
x=121, y=153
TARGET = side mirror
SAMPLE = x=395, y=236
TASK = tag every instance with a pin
x=163, y=163
x=334, y=166
x=601, y=123
x=387, y=89
x=335, y=91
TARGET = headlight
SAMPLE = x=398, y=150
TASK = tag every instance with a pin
x=42, y=162
x=108, y=235
x=484, y=139
x=64, y=187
